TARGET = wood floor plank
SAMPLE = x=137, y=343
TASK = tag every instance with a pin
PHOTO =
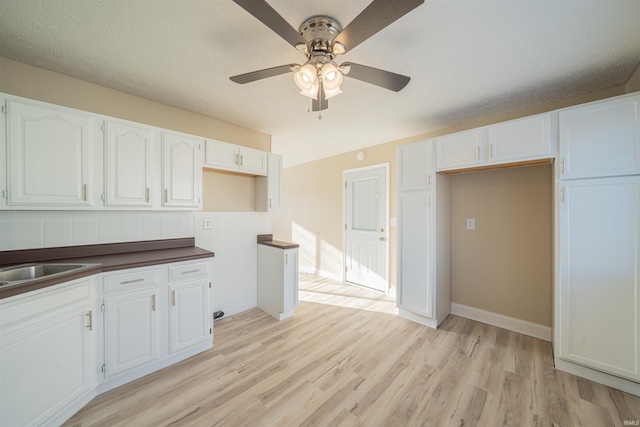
x=346, y=359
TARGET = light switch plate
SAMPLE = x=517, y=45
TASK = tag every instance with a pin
x=206, y=224
x=471, y=224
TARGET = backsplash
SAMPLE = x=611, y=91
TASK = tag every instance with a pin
x=46, y=229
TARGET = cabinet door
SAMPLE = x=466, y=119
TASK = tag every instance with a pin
x=47, y=361
x=600, y=139
x=415, y=170
x=181, y=171
x=49, y=153
x=415, y=292
x=131, y=330
x=599, y=262
x=523, y=139
x=461, y=150
x=220, y=155
x=269, y=188
x=190, y=315
x=290, y=280
x=128, y=165
x=252, y=161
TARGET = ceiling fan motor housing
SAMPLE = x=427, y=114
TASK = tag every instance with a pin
x=319, y=32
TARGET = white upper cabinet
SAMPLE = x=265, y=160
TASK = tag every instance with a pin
x=521, y=139
x=128, y=165
x=600, y=139
x=269, y=188
x=415, y=170
x=181, y=171
x=49, y=156
x=461, y=150
x=225, y=156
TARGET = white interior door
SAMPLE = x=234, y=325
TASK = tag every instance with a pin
x=366, y=212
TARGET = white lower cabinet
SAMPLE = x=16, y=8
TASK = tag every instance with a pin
x=47, y=357
x=598, y=297
x=277, y=280
x=131, y=330
x=153, y=317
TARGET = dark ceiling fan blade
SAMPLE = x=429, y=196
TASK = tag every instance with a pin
x=375, y=17
x=272, y=19
x=376, y=76
x=263, y=74
x=321, y=103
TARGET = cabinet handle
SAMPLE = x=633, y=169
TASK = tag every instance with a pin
x=147, y=195
x=269, y=202
x=190, y=271
x=153, y=302
x=286, y=259
x=477, y=152
x=429, y=179
x=126, y=282
x=241, y=159
x=491, y=153
x=173, y=298
x=562, y=194
x=166, y=195
x=562, y=166
x=238, y=159
x=84, y=192
x=89, y=321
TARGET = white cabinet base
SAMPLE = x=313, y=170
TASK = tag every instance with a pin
x=423, y=320
x=599, y=377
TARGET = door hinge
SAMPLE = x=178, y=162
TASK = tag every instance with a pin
x=209, y=285
x=102, y=128
x=103, y=368
x=5, y=194
x=210, y=331
x=4, y=109
x=102, y=308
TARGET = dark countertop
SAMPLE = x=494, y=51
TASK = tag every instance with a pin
x=109, y=257
x=267, y=240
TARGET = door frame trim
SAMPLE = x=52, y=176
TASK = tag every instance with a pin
x=386, y=167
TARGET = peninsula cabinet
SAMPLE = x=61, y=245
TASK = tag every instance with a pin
x=598, y=294
x=600, y=139
x=128, y=165
x=181, y=171
x=47, y=357
x=49, y=156
x=278, y=279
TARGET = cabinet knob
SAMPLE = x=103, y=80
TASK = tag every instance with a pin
x=382, y=239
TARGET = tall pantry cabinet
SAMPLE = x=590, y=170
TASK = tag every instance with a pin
x=423, y=243
x=597, y=297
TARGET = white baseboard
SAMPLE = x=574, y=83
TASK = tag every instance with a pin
x=230, y=311
x=501, y=321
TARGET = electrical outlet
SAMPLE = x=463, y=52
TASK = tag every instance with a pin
x=207, y=224
x=471, y=224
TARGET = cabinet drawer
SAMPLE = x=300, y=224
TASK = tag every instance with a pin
x=130, y=280
x=189, y=271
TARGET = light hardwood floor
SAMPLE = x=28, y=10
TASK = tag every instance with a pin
x=345, y=359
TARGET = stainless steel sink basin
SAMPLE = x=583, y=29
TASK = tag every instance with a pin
x=28, y=272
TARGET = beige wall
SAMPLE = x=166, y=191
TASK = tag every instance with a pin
x=633, y=85
x=505, y=264
x=27, y=81
x=312, y=214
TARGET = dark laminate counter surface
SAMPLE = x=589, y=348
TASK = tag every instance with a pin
x=110, y=257
x=267, y=240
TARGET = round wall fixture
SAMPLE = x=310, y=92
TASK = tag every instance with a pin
x=360, y=156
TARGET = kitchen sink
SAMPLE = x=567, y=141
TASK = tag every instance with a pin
x=27, y=272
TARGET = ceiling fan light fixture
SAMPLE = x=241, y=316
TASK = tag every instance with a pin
x=306, y=78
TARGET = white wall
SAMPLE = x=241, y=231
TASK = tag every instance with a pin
x=233, y=238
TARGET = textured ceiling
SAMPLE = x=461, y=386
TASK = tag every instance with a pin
x=467, y=60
